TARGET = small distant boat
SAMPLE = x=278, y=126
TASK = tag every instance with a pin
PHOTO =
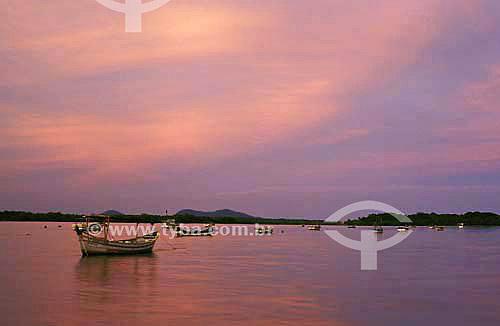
x=439, y=228
x=460, y=225
x=432, y=227
x=170, y=223
x=377, y=227
x=351, y=226
x=91, y=243
x=316, y=227
x=210, y=225
x=403, y=228
x=266, y=229
x=195, y=232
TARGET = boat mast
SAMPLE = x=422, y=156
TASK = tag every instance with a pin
x=106, y=227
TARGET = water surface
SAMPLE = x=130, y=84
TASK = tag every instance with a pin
x=298, y=277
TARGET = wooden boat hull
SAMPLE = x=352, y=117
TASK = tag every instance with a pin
x=264, y=230
x=180, y=235
x=193, y=234
x=94, y=239
x=90, y=246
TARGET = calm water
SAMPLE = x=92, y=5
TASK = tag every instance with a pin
x=294, y=278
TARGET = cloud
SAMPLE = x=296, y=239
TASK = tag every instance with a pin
x=211, y=82
x=476, y=107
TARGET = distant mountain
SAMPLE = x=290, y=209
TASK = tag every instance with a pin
x=112, y=212
x=217, y=213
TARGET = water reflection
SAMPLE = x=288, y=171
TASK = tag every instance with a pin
x=104, y=281
x=103, y=269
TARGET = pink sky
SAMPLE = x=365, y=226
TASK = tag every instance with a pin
x=278, y=108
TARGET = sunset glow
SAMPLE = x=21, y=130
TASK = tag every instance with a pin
x=280, y=108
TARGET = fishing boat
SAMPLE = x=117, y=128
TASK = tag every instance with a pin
x=460, y=225
x=95, y=239
x=403, y=228
x=316, y=227
x=439, y=228
x=265, y=229
x=377, y=227
x=181, y=231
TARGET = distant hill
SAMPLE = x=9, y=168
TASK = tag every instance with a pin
x=217, y=213
x=112, y=213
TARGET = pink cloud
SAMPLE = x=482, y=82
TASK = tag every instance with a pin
x=209, y=81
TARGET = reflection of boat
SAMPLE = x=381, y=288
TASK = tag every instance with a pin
x=403, y=228
x=316, y=227
x=102, y=279
x=460, y=225
x=195, y=231
x=266, y=229
x=92, y=243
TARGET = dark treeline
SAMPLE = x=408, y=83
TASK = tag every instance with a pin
x=422, y=219
x=62, y=217
x=146, y=218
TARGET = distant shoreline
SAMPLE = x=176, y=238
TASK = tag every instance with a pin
x=426, y=219
x=419, y=219
x=9, y=216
